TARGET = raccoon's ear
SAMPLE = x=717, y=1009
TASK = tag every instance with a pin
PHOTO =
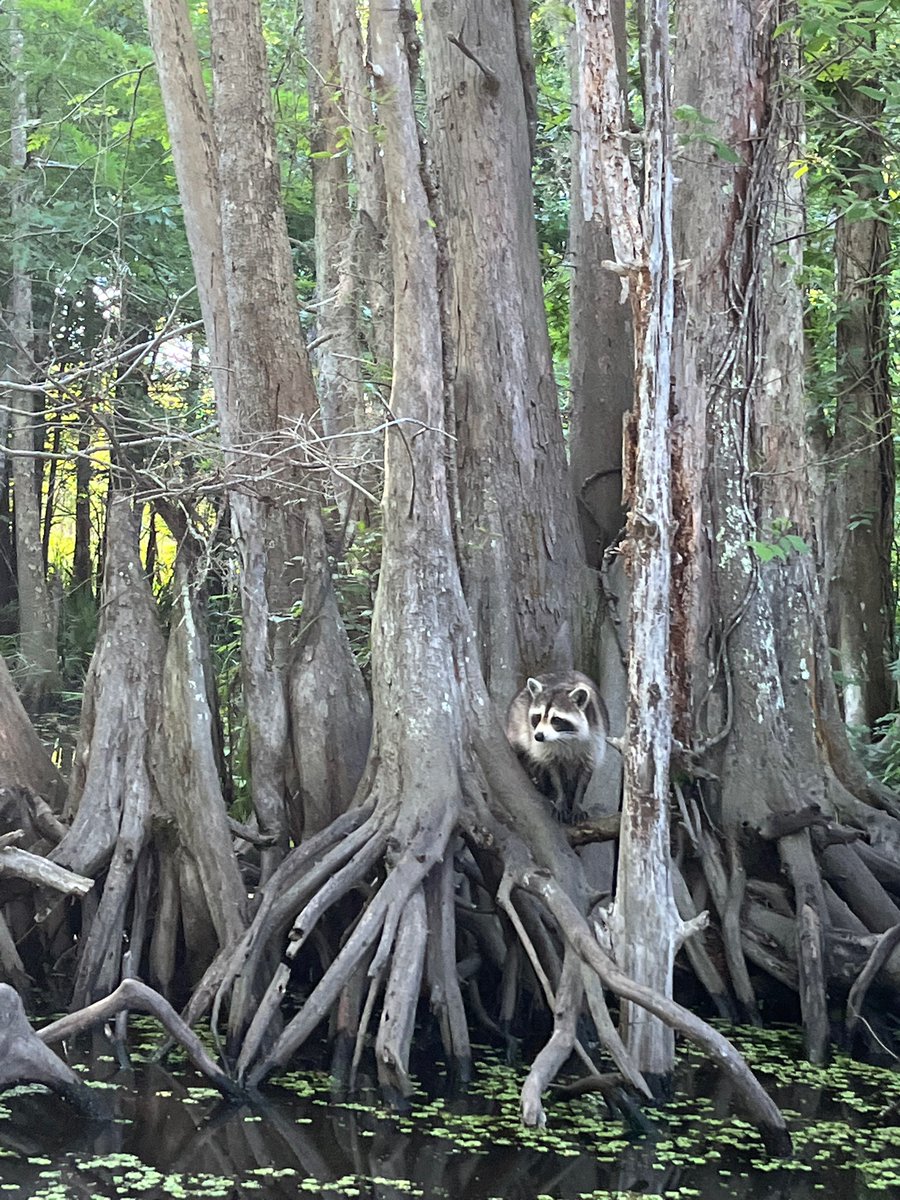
x=580, y=696
x=535, y=687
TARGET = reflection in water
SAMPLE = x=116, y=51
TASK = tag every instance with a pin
x=171, y=1137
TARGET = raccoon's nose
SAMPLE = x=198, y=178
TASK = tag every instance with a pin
x=538, y=737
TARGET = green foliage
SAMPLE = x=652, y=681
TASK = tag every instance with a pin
x=551, y=24
x=694, y=127
x=104, y=205
x=851, y=102
x=780, y=545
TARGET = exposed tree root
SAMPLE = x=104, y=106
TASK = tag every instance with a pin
x=145, y=792
x=25, y=1056
x=37, y=870
x=132, y=994
x=411, y=933
x=884, y=948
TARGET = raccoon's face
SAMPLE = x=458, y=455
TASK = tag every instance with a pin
x=558, y=715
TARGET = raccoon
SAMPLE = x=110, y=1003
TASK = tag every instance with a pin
x=558, y=726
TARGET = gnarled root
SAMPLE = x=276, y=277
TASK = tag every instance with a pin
x=26, y=1057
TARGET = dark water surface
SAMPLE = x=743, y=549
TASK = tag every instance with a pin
x=171, y=1137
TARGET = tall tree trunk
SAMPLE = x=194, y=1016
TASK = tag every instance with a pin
x=859, y=509
x=339, y=293
x=145, y=791
x=522, y=569
x=644, y=923
x=235, y=222
x=37, y=620
x=111, y=791
x=371, y=255
x=751, y=640
x=274, y=385
x=81, y=555
x=600, y=347
x=7, y=540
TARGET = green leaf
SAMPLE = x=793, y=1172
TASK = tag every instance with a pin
x=764, y=551
x=871, y=92
x=725, y=152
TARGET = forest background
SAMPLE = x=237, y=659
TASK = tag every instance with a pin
x=228, y=431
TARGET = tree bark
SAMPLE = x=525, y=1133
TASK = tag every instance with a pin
x=338, y=358
x=37, y=619
x=273, y=382
x=858, y=529
x=189, y=778
x=371, y=257
x=644, y=921
x=111, y=791
x=23, y=760
x=521, y=566
x=600, y=346
x=264, y=392
x=82, y=582
x=751, y=640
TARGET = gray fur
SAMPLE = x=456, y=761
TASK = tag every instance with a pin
x=558, y=726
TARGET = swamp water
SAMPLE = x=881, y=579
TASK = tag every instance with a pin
x=172, y=1138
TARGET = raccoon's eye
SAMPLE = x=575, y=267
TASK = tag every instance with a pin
x=535, y=720
x=562, y=726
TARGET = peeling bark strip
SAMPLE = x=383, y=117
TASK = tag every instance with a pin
x=608, y=187
x=644, y=922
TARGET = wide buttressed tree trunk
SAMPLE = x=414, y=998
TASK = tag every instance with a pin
x=144, y=742
x=522, y=570
x=305, y=688
x=756, y=678
x=111, y=789
x=272, y=389
x=201, y=887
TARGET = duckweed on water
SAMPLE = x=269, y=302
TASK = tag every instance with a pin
x=176, y=1140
